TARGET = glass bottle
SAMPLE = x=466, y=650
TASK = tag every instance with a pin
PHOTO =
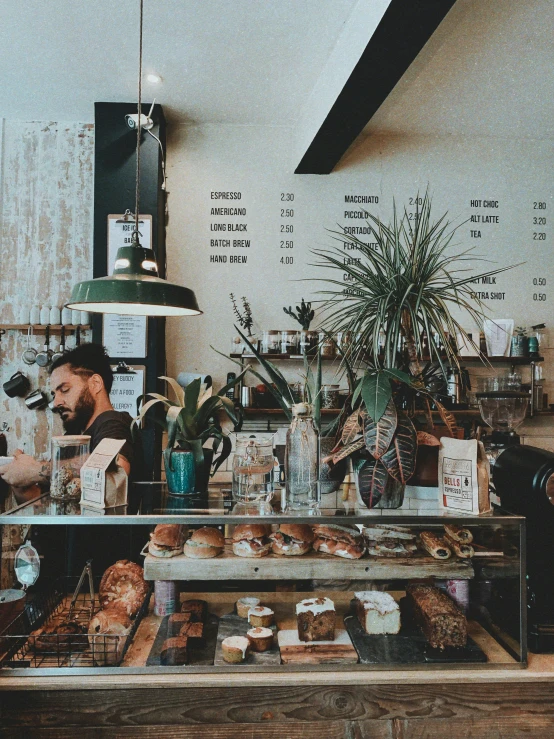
x=302, y=460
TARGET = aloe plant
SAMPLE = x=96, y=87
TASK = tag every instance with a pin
x=192, y=419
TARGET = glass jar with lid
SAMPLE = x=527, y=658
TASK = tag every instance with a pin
x=289, y=342
x=327, y=346
x=69, y=453
x=329, y=397
x=253, y=465
x=271, y=342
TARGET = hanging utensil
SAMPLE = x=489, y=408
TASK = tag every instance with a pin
x=44, y=357
x=87, y=570
x=61, y=351
x=78, y=336
x=29, y=355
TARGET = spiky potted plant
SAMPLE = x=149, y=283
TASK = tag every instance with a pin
x=399, y=300
x=191, y=420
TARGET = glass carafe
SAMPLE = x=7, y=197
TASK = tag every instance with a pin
x=302, y=460
x=253, y=468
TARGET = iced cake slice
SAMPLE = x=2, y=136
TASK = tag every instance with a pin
x=316, y=619
x=377, y=612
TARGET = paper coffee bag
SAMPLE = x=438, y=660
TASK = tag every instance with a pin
x=464, y=476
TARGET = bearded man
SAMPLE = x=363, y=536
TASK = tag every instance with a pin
x=81, y=381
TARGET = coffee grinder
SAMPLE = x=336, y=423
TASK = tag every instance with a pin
x=503, y=411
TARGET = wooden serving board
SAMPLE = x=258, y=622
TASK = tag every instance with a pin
x=233, y=625
x=408, y=647
x=314, y=565
x=197, y=655
x=316, y=652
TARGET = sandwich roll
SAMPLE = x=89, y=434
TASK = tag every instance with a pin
x=166, y=540
x=251, y=540
x=464, y=551
x=292, y=539
x=205, y=543
x=341, y=541
x=434, y=545
x=457, y=533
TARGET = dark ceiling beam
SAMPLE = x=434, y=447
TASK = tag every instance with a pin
x=402, y=32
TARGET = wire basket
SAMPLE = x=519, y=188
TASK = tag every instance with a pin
x=19, y=647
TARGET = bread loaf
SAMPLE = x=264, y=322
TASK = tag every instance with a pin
x=441, y=621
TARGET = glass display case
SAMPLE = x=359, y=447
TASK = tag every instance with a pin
x=415, y=598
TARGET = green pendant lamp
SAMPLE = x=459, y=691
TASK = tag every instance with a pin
x=134, y=289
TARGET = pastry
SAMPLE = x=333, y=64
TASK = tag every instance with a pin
x=377, y=612
x=342, y=541
x=198, y=609
x=260, y=638
x=204, y=543
x=464, y=551
x=434, y=545
x=292, y=539
x=123, y=585
x=316, y=619
x=243, y=605
x=60, y=636
x=260, y=616
x=442, y=622
x=174, y=651
x=251, y=540
x=176, y=622
x=235, y=649
x=107, y=635
x=457, y=533
x=194, y=631
x=166, y=540
x=385, y=540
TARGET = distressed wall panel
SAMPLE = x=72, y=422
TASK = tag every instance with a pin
x=46, y=246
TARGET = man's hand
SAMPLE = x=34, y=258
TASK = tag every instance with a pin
x=25, y=470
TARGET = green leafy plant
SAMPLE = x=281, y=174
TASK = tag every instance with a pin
x=192, y=419
x=400, y=291
x=304, y=314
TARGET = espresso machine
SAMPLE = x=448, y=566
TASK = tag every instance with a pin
x=523, y=477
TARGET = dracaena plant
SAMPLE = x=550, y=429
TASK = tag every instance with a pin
x=191, y=419
x=401, y=290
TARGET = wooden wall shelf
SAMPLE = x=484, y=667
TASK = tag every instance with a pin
x=491, y=360
x=55, y=328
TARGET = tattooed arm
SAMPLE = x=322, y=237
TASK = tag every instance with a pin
x=25, y=471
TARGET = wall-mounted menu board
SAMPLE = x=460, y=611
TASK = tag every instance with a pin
x=253, y=223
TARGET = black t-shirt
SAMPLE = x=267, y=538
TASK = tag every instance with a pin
x=113, y=425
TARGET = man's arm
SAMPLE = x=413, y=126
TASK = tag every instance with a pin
x=25, y=471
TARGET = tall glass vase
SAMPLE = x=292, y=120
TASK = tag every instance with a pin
x=302, y=461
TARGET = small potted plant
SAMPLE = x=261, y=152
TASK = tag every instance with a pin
x=304, y=314
x=191, y=420
x=245, y=321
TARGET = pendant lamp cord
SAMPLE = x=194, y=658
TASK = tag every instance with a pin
x=139, y=131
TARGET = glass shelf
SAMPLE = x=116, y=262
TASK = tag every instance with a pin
x=151, y=503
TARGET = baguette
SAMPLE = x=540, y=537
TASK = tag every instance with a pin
x=434, y=545
x=464, y=551
x=457, y=533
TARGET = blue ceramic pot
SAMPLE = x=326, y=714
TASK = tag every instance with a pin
x=180, y=472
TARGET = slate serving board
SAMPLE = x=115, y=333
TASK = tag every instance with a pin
x=409, y=646
x=233, y=625
x=197, y=655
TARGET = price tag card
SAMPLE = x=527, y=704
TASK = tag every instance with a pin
x=124, y=336
x=127, y=387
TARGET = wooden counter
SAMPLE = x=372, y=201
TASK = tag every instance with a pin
x=454, y=703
